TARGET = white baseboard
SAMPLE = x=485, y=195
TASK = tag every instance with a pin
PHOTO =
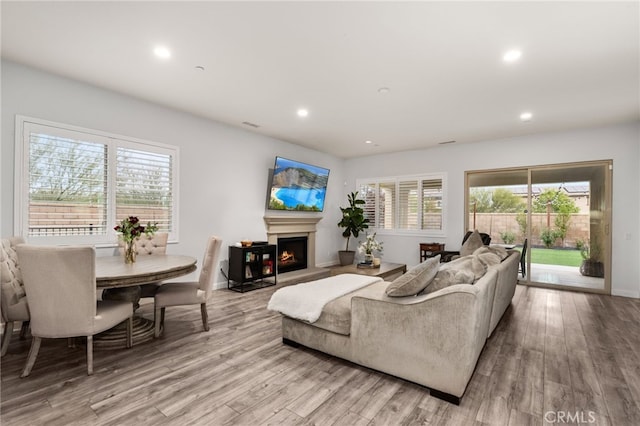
x=630, y=294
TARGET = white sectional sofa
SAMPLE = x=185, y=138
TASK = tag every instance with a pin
x=432, y=339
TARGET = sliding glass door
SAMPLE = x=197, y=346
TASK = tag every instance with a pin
x=558, y=215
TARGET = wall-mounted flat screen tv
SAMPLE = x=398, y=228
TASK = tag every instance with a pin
x=297, y=186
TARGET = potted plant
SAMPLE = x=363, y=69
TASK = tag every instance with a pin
x=353, y=222
x=591, y=252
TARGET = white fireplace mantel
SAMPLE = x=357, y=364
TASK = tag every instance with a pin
x=292, y=226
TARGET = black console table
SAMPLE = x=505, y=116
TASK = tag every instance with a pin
x=249, y=266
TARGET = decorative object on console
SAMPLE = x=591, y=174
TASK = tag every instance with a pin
x=130, y=228
x=353, y=222
x=369, y=247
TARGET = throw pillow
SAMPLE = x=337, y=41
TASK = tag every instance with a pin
x=469, y=263
x=415, y=280
x=473, y=243
x=500, y=251
x=448, y=277
x=487, y=256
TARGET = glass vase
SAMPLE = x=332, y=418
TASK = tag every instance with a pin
x=130, y=251
x=368, y=258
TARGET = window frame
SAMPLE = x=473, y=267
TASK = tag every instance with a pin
x=112, y=142
x=397, y=181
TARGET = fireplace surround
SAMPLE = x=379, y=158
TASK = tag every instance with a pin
x=292, y=227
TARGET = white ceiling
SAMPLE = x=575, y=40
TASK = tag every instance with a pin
x=442, y=62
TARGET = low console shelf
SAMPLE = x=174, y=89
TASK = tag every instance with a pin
x=249, y=266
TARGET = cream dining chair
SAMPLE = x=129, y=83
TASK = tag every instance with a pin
x=60, y=283
x=13, y=305
x=146, y=245
x=190, y=293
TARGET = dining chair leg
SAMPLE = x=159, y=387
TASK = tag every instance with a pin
x=205, y=316
x=130, y=332
x=89, y=355
x=6, y=337
x=33, y=354
x=24, y=329
x=156, y=317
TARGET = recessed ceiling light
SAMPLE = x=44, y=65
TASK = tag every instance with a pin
x=526, y=116
x=162, y=52
x=303, y=112
x=199, y=67
x=383, y=90
x=368, y=142
x=512, y=55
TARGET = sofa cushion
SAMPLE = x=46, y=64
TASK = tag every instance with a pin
x=469, y=263
x=473, y=243
x=336, y=315
x=415, y=280
x=447, y=278
x=487, y=256
x=501, y=252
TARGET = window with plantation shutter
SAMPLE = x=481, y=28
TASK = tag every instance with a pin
x=405, y=204
x=367, y=192
x=77, y=184
x=386, y=205
x=144, y=183
x=408, y=204
x=432, y=204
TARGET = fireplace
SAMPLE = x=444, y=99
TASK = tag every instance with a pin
x=292, y=254
x=294, y=227
x=297, y=227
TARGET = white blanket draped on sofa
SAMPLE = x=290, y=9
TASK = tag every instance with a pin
x=305, y=301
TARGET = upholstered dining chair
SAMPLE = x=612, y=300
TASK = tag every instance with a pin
x=60, y=283
x=190, y=293
x=13, y=306
x=146, y=245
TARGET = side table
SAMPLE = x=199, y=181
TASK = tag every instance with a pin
x=428, y=249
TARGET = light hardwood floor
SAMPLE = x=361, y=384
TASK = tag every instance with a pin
x=553, y=352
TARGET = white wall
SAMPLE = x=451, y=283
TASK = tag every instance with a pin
x=619, y=143
x=223, y=170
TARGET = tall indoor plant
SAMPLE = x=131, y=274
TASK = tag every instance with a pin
x=353, y=222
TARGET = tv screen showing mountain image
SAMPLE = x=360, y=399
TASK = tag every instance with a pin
x=297, y=186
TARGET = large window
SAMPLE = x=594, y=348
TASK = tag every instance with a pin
x=74, y=185
x=405, y=204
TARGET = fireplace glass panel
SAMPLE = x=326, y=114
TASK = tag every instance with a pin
x=292, y=254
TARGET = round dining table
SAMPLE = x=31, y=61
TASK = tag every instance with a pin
x=112, y=272
x=121, y=281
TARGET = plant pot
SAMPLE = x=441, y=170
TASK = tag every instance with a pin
x=346, y=257
x=592, y=268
